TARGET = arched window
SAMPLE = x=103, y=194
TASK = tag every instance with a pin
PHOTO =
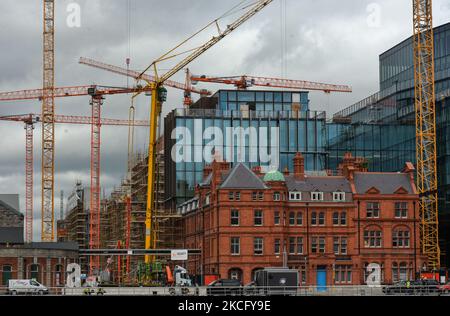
x=322, y=218
x=59, y=275
x=313, y=218
x=34, y=272
x=395, y=276
x=401, y=238
x=235, y=274
x=401, y=272
x=254, y=271
x=6, y=274
x=371, y=270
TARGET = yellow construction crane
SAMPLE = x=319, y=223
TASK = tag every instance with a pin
x=159, y=94
x=425, y=104
x=48, y=123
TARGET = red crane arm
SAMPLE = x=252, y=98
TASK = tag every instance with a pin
x=72, y=119
x=62, y=92
x=243, y=82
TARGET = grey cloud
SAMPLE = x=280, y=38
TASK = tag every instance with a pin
x=327, y=41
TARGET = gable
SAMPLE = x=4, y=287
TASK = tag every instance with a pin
x=401, y=190
x=241, y=177
x=373, y=190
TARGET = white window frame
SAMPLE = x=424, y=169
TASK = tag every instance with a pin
x=316, y=196
x=238, y=218
x=295, y=196
x=238, y=245
x=338, y=196
x=276, y=196
x=262, y=246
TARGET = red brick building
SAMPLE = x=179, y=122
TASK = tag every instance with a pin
x=333, y=229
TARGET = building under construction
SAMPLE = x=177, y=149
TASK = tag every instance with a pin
x=124, y=229
x=75, y=226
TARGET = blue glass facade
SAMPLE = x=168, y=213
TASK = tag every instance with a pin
x=232, y=100
x=397, y=69
x=394, y=106
x=385, y=146
x=299, y=130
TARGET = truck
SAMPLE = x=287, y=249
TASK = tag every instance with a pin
x=26, y=286
x=179, y=277
x=274, y=281
x=179, y=280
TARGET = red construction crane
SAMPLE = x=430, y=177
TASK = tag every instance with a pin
x=244, y=82
x=187, y=86
x=96, y=93
x=29, y=120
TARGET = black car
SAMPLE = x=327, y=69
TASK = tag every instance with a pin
x=224, y=287
x=401, y=287
x=426, y=286
x=418, y=287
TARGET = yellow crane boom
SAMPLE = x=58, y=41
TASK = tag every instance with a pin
x=425, y=104
x=159, y=96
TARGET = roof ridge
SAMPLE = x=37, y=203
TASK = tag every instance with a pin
x=234, y=170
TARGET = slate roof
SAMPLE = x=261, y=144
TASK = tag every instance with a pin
x=386, y=183
x=11, y=235
x=241, y=177
x=321, y=184
x=6, y=206
x=11, y=199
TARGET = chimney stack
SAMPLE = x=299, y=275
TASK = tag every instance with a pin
x=257, y=170
x=207, y=171
x=299, y=167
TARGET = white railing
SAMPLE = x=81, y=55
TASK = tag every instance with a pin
x=242, y=291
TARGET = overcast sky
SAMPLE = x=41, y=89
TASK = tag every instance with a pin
x=325, y=40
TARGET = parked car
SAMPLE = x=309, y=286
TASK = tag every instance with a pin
x=26, y=287
x=224, y=287
x=401, y=287
x=445, y=288
x=417, y=287
x=426, y=286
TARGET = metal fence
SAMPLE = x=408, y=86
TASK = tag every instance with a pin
x=239, y=291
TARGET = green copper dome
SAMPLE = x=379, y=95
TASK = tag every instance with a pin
x=274, y=176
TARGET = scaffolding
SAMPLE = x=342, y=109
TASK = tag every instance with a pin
x=115, y=218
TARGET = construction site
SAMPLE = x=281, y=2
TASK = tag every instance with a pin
x=225, y=185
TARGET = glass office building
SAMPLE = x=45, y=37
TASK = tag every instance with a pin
x=272, y=101
x=397, y=70
x=392, y=112
x=385, y=146
x=247, y=120
x=380, y=128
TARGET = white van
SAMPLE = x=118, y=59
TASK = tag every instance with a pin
x=26, y=287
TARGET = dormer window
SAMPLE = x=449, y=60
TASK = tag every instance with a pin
x=316, y=196
x=295, y=196
x=339, y=196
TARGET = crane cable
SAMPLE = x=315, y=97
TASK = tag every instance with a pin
x=283, y=38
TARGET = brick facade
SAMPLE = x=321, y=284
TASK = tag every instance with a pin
x=330, y=228
x=47, y=266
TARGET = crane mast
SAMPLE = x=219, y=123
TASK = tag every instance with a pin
x=425, y=104
x=159, y=96
x=48, y=123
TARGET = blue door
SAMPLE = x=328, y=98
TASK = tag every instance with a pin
x=321, y=279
